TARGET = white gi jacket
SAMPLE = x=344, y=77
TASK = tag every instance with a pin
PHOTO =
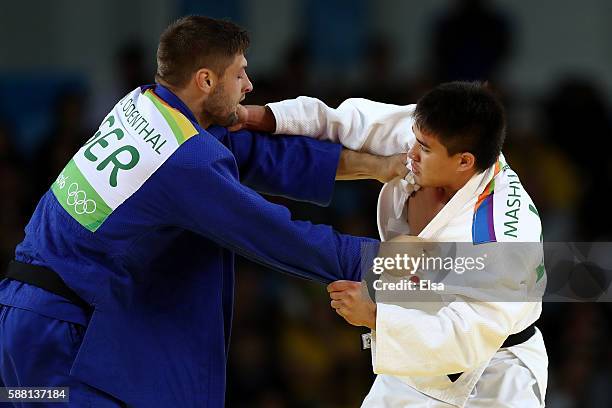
x=414, y=348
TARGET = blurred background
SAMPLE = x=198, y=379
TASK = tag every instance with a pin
x=64, y=64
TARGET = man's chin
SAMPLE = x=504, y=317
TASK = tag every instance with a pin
x=231, y=119
x=421, y=181
x=225, y=121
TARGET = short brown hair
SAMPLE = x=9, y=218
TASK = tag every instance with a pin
x=196, y=42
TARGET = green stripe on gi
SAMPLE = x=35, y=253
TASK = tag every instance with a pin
x=79, y=198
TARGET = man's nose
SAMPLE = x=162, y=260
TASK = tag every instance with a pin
x=249, y=86
x=413, y=153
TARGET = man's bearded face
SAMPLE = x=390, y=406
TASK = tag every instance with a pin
x=222, y=103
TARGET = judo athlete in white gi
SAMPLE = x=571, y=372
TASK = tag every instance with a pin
x=469, y=194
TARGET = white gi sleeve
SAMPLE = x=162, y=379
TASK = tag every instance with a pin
x=358, y=124
x=462, y=335
x=465, y=332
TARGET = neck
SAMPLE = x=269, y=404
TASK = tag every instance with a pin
x=193, y=100
x=447, y=192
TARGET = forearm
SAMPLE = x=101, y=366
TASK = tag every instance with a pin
x=358, y=165
x=355, y=165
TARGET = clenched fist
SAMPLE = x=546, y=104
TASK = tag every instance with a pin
x=352, y=302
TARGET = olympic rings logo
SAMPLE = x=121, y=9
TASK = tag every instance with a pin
x=61, y=181
x=78, y=198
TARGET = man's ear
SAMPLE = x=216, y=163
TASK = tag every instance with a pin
x=467, y=161
x=206, y=80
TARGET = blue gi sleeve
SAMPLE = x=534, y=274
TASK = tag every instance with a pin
x=206, y=197
x=296, y=167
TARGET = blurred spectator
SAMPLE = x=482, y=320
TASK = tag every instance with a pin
x=378, y=81
x=553, y=181
x=579, y=121
x=575, y=371
x=294, y=78
x=254, y=350
x=291, y=80
x=470, y=42
x=13, y=195
x=8, y=151
x=67, y=134
x=131, y=69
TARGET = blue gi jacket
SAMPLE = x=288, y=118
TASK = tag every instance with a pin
x=160, y=270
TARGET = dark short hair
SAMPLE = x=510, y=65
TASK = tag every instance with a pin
x=464, y=117
x=196, y=42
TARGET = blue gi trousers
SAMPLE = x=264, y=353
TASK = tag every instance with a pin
x=37, y=350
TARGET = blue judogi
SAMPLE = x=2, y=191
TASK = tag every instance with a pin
x=159, y=271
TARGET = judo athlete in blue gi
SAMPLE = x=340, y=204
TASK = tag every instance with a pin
x=123, y=287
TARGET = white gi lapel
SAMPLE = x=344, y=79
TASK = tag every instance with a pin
x=461, y=204
x=466, y=195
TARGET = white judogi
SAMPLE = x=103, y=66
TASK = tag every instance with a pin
x=413, y=349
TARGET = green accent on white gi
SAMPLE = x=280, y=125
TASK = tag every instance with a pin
x=540, y=272
x=133, y=141
x=79, y=198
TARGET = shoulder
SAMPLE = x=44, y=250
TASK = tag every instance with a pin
x=202, y=150
x=218, y=132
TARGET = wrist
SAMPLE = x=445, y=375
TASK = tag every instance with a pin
x=260, y=118
x=267, y=119
x=372, y=320
x=359, y=165
x=367, y=165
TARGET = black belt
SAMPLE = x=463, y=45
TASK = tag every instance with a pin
x=512, y=340
x=43, y=278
